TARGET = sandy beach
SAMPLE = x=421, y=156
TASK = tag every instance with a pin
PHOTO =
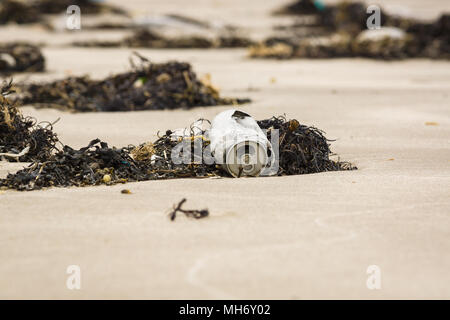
x=292, y=237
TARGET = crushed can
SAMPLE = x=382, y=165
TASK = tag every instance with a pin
x=239, y=145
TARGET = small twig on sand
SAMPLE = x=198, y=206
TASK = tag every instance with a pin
x=197, y=214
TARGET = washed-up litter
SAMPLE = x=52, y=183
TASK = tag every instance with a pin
x=340, y=30
x=22, y=138
x=20, y=57
x=148, y=86
x=302, y=150
x=145, y=38
x=239, y=145
x=32, y=11
x=197, y=214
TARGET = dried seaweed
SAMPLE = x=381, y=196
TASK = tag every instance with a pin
x=197, y=214
x=32, y=11
x=87, y=6
x=430, y=40
x=157, y=157
x=21, y=138
x=92, y=165
x=20, y=57
x=148, y=86
x=340, y=32
x=144, y=38
x=18, y=12
x=298, y=7
x=303, y=150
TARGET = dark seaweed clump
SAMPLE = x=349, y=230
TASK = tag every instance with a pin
x=32, y=11
x=20, y=57
x=144, y=38
x=92, y=165
x=17, y=11
x=298, y=7
x=303, y=150
x=339, y=30
x=97, y=163
x=148, y=86
x=87, y=6
x=21, y=138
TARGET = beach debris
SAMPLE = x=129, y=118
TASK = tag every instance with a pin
x=157, y=159
x=33, y=11
x=20, y=57
x=197, y=214
x=386, y=43
x=340, y=30
x=300, y=7
x=148, y=86
x=125, y=191
x=18, y=12
x=106, y=178
x=143, y=152
x=146, y=38
x=94, y=164
x=343, y=16
x=337, y=45
x=239, y=145
x=181, y=153
x=302, y=150
x=22, y=138
x=87, y=6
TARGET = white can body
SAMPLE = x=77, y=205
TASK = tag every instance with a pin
x=238, y=144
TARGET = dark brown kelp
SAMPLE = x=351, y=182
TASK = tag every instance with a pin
x=87, y=6
x=148, y=86
x=302, y=150
x=344, y=16
x=92, y=165
x=428, y=39
x=21, y=138
x=32, y=11
x=18, y=12
x=157, y=156
x=97, y=163
x=144, y=38
x=197, y=214
x=20, y=57
x=341, y=30
x=148, y=39
x=298, y=7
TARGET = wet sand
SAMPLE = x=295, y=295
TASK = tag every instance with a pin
x=297, y=237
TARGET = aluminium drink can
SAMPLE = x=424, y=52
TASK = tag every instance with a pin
x=239, y=145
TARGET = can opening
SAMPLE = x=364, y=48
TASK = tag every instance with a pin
x=246, y=158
